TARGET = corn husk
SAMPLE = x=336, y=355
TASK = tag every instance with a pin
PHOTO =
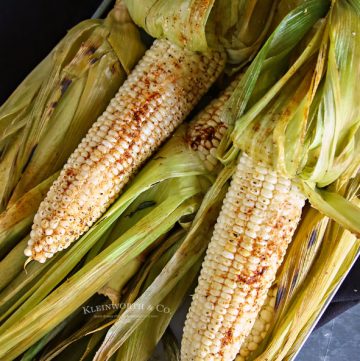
x=190, y=252
x=198, y=25
x=174, y=176
x=17, y=219
x=45, y=118
x=141, y=344
x=338, y=250
x=100, y=321
x=306, y=125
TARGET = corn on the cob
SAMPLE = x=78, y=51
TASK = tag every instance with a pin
x=258, y=218
x=207, y=129
x=156, y=97
x=261, y=326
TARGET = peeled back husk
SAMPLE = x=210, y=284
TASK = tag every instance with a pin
x=199, y=25
x=46, y=117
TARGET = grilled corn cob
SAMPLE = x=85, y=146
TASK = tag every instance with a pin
x=258, y=218
x=261, y=326
x=156, y=97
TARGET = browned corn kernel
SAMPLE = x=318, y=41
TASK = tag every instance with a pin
x=157, y=96
x=258, y=218
x=207, y=129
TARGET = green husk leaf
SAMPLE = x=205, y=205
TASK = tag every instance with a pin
x=95, y=326
x=334, y=206
x=197, y=25
x=15, y=221
x=13, y=263
x=155, y=262
x=69, y=124
x=337, y=112
x=92, y=344
x=148, y=334
x=7, y=168
x=84, y=87
x=269, y=72
x=23, y=286
x=300, y=257
x=33, y=351
x=142, y=342
x=239, y=28
x=185, y=257
x=278, y=46
x=174, y=160
x=123, y=31
x=12, y=111
x=36, y=114
x=338, y=251
x=115, y=286
x=182, y=22
x=21, y=334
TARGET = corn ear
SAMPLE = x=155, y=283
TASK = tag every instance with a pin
x=258, y=219
x=156, y=97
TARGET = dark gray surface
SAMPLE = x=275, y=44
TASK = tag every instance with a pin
x=338, y=340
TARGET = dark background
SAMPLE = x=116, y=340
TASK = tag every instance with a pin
x=29, y=29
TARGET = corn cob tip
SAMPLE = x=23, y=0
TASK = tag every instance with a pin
x=158, y=94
